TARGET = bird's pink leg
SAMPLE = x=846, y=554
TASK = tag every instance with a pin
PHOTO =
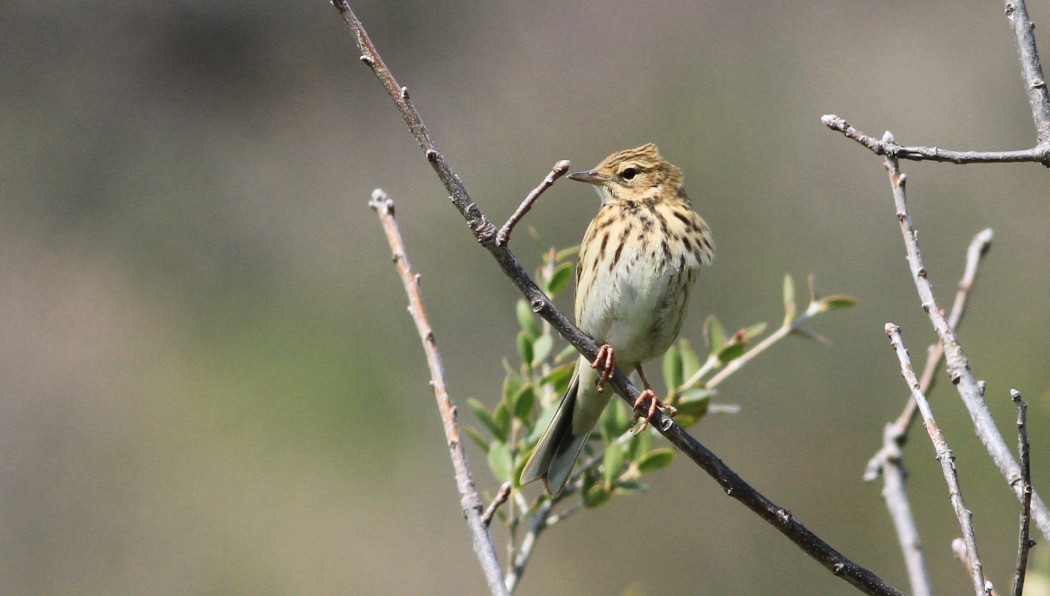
x=605, y=361
x=654, y=402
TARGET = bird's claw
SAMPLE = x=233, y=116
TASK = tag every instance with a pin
x=654, y=404
x=606, y=361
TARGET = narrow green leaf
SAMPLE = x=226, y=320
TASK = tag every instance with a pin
x=527, y=319
x=482, y=414
x=612, y=463
x=524, y=343
x=523, y=402
x=501, y=417
x=559, y=279
x=790, y=310
x=559, y=377
x=673, y=368
x=755, y=330
x=595, y=496
x=542, y=423
x=690, y=362
x=512, y=384
x=715, y=333
x=731, y=352
x=656, y=459
x=541, y=348
x=836, y=302
x=479, y=438
x=500, y=461
x=694, y=403
x=615, y=420
x=629, y=487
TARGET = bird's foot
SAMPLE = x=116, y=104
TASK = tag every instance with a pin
x=606, y=361
x=654, y=404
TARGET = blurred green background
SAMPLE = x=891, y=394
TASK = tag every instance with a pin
x=208, y=380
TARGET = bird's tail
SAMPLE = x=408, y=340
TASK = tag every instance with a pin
x=561, y=443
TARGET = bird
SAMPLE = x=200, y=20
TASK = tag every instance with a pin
x=638, y=262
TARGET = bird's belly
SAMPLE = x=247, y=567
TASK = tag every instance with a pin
x=641, y=309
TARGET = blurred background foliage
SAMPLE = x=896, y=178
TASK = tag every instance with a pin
x=208, y=382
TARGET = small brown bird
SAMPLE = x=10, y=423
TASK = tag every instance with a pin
x=638, y=261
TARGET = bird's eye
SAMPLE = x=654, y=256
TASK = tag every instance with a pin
x=628, y=173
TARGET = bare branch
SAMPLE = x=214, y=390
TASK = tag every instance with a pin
x=485, y=233
x=499, y=499
x=1024, y=544
x=889, y=461
x=944, y=455
x=470, y=501
x=971, y=392
x=559, y=169
x=888, y=148
x=895, y=493
x=1031, y=69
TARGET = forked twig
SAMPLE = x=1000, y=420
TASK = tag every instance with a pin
x=1038, y=154
x=971, y=392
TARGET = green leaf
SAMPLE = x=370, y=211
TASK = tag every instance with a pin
x=715, y=334
x=486, y=419
x=690, y=362
x=501, y=417
x=836, y=302
x=615, y=420
x=656, y=459
x=694, y=403
x=629, y=487
x=559, y=279
x=673, y=368
x=731, y=352
x=638, y=443
x=612, y=463
x=790, y=310
x=500, y=461
x=523, y=401
x=527, y=319
x=541, y=348
x=559, y=377
x=755, y=330
x=542, y=423
x=595, y=496
x=524, y=342
x=479, y=438
x=512, y=384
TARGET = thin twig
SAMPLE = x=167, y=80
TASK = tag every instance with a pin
x=485, y=233
x=503, y=236
x=944, y=455
x=1024, y=544
x=895, y=493
x=971, y=392
x=901, y=426
x=889, y=462
x=470, y=501
x=1031, y=69
x=528, y=543
x=1038, y=154
x=499, y=499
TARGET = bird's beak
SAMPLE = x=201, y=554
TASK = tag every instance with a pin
x=588, y=176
